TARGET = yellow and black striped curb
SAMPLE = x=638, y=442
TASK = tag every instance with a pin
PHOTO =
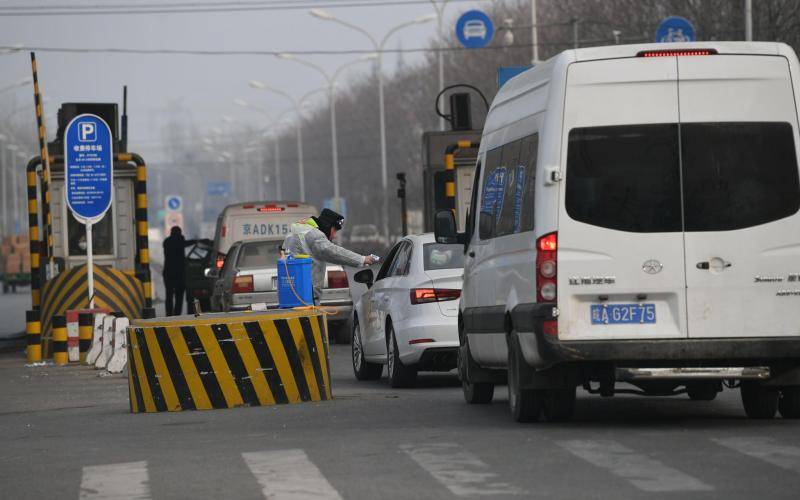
x=113, y=291
x=60, y=340
x=224, y=361
x=450, y=167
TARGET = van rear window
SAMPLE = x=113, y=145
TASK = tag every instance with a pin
x=625, y=177
x=735, y=175
x=738, y=175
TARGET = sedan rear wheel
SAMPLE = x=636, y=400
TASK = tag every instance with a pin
x=399, y=374
x=362, y=369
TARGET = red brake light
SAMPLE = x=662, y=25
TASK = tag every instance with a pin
x=426, y=295
x=677, y=53
x=547, y=268
x=548, y=242
x=551, y=327
x=220, y=261
x=242, y=284
x=337, y=279
x=270, y=208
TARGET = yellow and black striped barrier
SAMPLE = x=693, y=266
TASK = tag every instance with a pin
x=113, y=291
x=60, y=340
x=228, y=360
x=85, y=334
x=450, y=167
x=33, y=331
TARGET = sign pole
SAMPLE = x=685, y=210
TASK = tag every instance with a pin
x=90, y=264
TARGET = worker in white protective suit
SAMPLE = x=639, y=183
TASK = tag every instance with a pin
x=313, y=237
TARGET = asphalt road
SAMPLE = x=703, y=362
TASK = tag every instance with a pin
x=67, y=433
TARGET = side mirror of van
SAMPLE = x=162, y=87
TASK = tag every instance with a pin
x=364, y=277
x=444, y=227
x=211, y=272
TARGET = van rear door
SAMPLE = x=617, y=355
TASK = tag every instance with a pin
x=620, y=241
x=739, y=140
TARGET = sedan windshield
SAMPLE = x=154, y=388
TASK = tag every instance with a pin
x=439, y=256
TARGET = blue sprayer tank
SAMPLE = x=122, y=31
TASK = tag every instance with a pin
x=295, y=271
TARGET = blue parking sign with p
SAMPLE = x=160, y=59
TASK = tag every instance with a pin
x=89, y=167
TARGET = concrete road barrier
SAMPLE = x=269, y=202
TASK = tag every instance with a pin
x=228, y=360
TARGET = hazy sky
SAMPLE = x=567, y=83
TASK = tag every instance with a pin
x=207, y=85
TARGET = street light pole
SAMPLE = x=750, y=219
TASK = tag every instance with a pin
x=534, y=33
x=439, y=6
x=378, y=45
x=748, y=20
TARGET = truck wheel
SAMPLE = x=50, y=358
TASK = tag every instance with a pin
x=559, y=404
x=789, y=403
x=702, y=391
x=362, y=369
x=399, y=374
x=474, y=392
x=525, y=404
x=759, y=401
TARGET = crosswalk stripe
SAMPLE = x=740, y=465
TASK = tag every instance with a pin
x=764, y=448
x=289, y=474
x=458, y=470
x=115, y=481
x=643, y=472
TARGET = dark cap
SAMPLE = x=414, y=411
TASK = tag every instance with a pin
x=330, y=218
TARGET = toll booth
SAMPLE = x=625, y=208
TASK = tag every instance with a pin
x=461, y=146
x=58, y=240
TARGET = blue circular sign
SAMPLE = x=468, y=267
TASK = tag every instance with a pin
x=89, y=166
x=474, y=29
x=675, y=29
x=174, y=203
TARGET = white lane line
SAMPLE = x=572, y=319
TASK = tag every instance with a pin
x=643, y=472
x=764, y=448
x=112, y=481
x=289, y=474
x=458, y=470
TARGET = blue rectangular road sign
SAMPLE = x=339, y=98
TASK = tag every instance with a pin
x=89, y=166
x=218, y=188
x=506, y=73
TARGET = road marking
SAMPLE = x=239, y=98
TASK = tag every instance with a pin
x=460, y=471
x=112, y=481
x=643, y=472
x=763, y=448
x=289, y=474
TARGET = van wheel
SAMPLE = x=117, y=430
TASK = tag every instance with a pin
x=559, y=404
x=475, y=393
x=759, y=401
x=789, y=404
x=362, y=369
x=399, y=374
x=702, y=391
x=525, y=404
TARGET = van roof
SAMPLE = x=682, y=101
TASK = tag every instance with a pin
x=543, y=72
x=287, y=207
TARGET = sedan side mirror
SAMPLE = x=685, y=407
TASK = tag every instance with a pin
x=364, y=277
x=444, y=228
x=211, y=272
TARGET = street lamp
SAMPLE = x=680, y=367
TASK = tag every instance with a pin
x=331, y=79
x=379, y=46
x=297, y=104
x=440, y=6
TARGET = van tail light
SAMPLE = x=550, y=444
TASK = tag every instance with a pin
x=270, y=208
x=426, y=295
x=337, y=279
x=242, y=284
x=677, y=53
x=547, y=268
x=220, y=261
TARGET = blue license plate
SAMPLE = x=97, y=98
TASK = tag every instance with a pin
x=623, y=314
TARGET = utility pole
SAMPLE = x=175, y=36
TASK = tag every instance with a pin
x=748, y=20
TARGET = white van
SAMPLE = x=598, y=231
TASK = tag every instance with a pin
x=636, y=220
x=256, y=220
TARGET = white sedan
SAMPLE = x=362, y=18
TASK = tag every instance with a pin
x=408, y=317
